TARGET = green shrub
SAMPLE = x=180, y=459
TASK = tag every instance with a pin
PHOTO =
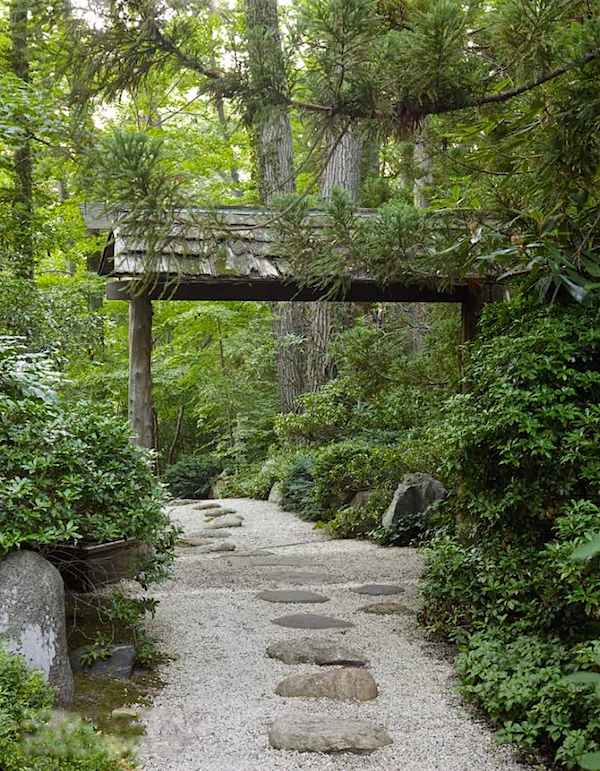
x=31, y=739
x=253, y=480
x=298, y=488
x=192, y=476
x=519, y=681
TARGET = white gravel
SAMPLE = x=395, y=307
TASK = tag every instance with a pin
x=214, y=713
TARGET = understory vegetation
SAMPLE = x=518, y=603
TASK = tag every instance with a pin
x=470, y=132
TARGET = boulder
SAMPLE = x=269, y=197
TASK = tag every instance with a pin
x=326, y=734
x=32, y=618
x=414, y=495
x=276, y=494
x=361, y=499
x=311, y=650
x=344, y=684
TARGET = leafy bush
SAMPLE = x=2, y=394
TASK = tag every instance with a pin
x=501, y=580
x=68, y=472
x=31, y=739
x=253, y=480
x=520, y=682
x=298, y=488
x=193, y=475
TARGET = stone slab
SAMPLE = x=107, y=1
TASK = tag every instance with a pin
x=118, y=665
x=319, y=651
x=378, y=589
x=207, y=506
x=215, y=547
x=300, y=577
x=343, y=684
x=227, y=520
x=322, y=733
x=311, y=621
x=291, y=595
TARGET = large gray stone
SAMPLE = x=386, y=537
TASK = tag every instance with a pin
x=378, y=589
x=215, y=547
x=311, y=621
x=414, y=495
x=291, y=595
x=214, y=513
x=32, y=618
x=344, y=684
x=275, y=493
x=119, y=664
x=326, y=734
x=319, y=651
x=227, y=520
x=208, y=506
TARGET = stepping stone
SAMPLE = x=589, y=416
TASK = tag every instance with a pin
x=387, y=609
x=378, y=589
x=219, y=513
x=207, y=506
x=212, y=534
x=292, y=560
x=326, y=734
x=227, y=520
x=319, y=651
x=345, y=684
x=256, y=553
x=192, y=540
x=291, y=595
x=311, y=621
x=213, y=548
x=299, y=577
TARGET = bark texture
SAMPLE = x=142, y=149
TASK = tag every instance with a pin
x=141, y=412
x=345, y=165
x=22, y=204
x=422, y=160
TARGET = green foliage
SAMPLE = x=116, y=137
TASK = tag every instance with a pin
x=502, y=579
x=69, y=472
x=31, y=739
x=298, y=488
x=192, y=475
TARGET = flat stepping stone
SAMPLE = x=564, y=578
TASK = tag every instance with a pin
x=228, y=520
x=214, y=548
x=387, y=609
x=207, y=506
x=299, y=577
x=291, y=595
x=319, y=651
x=322, y=733
x=192, y=540
x=345, y=684
x=276, y=560
x=255, y=553
x=213, y=514
x=378, y=589
x=311, y=621
x=212, y=534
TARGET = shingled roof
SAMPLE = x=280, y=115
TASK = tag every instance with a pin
x=233, y=253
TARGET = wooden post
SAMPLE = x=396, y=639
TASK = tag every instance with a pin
x=472, y=308
x=141, y=413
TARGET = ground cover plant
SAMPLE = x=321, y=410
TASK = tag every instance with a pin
x=501, y=580
x=32, y=739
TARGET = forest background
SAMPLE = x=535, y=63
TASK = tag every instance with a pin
x=474, y=129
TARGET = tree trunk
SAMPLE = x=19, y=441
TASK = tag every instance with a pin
x=273, y=126
x=273, y=136
x=141, y=412
x=345, y=165
x=289, y=332
x=422, y=160
x=22, y=205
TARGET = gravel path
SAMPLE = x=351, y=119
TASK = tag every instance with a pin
x=215, y=712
